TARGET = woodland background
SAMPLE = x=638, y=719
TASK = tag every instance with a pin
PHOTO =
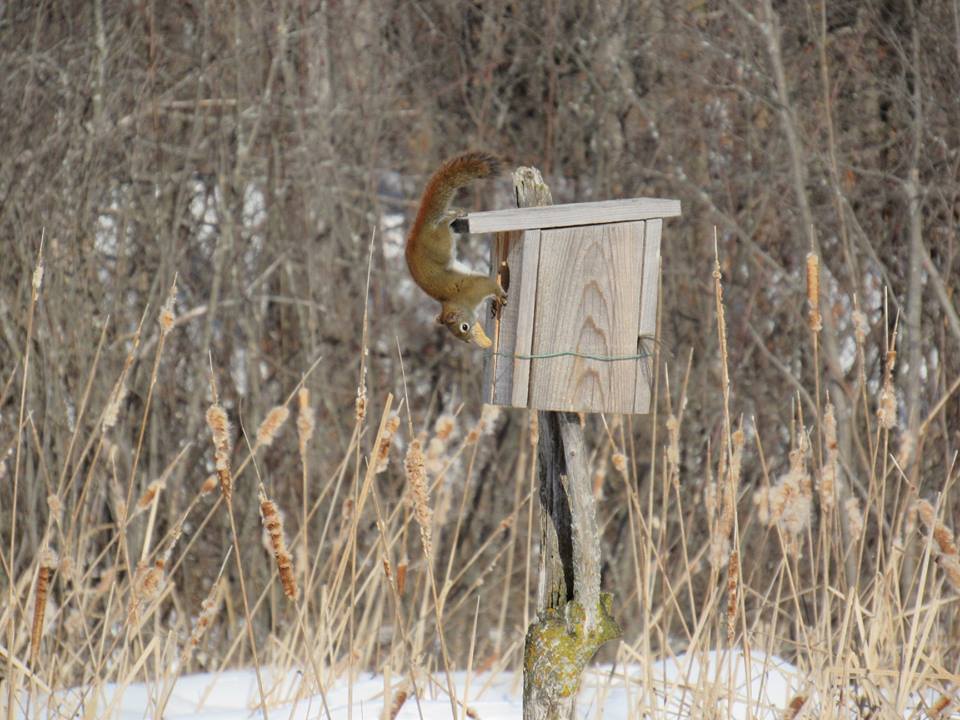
x=255, y=150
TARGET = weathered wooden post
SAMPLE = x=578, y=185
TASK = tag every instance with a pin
x=583, y=283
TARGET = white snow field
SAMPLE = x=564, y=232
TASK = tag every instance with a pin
x=706, y=685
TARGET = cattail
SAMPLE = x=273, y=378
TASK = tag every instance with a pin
x=795, y=706
x=271, y=425
x=673, y=441
x=444, y=427
x=166, y=312
x=37, y=281
x=386, y=440
x=220, y=428
x=417, y=478
x=434, y=460
x=48, y=561
x=887, y=402
x=940, y=706
x=733, y=580
x=854, y=516
x=789, y=503
x=55, y=505
x=861, y=326
x=209, y=484
x=950, y=565
x=397, y=702
x=67, y=569
x=402, y=576
x=361, y=403
x=273, y=524
x=534, y=420
x=148, y=495
x=485, y=425
x=887, y=407
x=946, y=554
x=305, y=420
x=208, y=611
x=112, y=411
x=828, y=477
x=813, y=292
x=619, y=462
x=148, y=582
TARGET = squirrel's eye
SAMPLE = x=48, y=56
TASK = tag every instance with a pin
x=464, y=327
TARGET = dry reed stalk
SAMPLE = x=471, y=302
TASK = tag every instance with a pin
x=273, y=524
x=48, y=562
x=815, y=321
x=416, y=474
x=534, y=423
x=220, y=429
x=271, y=425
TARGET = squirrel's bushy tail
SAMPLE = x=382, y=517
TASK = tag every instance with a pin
x=450, y=177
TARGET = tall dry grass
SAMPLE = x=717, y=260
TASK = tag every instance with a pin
x=387, y=564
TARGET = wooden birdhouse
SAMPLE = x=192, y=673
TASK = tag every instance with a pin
x=577, y=332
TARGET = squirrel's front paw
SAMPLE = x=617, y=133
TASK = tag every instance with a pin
x=499, y=300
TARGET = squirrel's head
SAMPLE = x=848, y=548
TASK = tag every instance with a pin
x=463, y=326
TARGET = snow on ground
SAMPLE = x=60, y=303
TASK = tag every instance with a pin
x=713, y=685
x=679, y=687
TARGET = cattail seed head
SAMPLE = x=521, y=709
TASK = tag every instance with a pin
x=55, y=506
x=273, y=524
x=209, y=484
x=813, y=292
x=167, y=315
x=305, y=420
x=48, y=562
x=271, y=425
x=619, y=462
x=420, y=492
x=445, y=427
x=153, y=489
x=390, y=428
x=534, y=428
x=112, y=411
x=861, y=326
x=220, y=429
x=854, y=516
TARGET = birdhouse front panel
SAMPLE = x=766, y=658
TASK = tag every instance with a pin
x=578, y=330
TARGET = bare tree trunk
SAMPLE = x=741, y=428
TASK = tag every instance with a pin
x=573, y=618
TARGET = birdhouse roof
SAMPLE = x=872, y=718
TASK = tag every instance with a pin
x=572, y=214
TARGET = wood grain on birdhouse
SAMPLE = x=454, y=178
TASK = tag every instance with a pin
x=576, y=334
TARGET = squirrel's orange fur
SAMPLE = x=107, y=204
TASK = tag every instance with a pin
x=431, y=255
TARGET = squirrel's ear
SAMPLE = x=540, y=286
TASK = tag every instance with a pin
x=439, y=318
